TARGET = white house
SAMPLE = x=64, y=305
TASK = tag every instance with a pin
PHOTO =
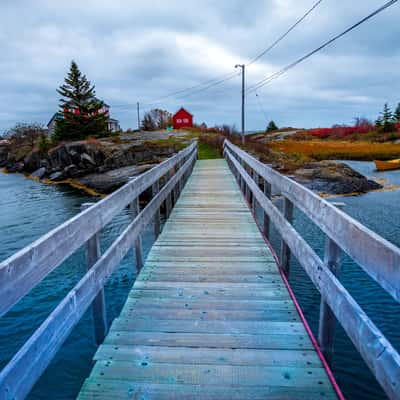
x=112, y=123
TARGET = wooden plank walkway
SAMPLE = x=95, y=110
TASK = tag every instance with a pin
x=208, y=316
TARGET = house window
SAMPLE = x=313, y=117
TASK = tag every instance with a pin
x=185, y=120
x=179, y=121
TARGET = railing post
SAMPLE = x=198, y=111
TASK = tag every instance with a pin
x=93, y=253
x=157, y=216
x=268, y=194
x=285, y=250
x=327, y=320
x=168, y=200
x=135, y=209
x=253, y=198
x=248, y=193
x=242, y=181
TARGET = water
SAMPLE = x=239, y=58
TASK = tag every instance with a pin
x=29, y=209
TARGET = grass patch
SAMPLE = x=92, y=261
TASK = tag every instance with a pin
x=333, y=149
x=207, y=152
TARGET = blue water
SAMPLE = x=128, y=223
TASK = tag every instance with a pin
x=29, y=209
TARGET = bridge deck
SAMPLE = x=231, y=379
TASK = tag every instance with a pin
x=208, y=316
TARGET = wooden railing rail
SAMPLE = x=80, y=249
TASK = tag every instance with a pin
x=25, y=368
x=344, y=232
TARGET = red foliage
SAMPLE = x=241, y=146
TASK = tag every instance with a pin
x=340, y=131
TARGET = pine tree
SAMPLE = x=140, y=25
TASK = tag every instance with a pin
x=387, y=119
x=397, y=114
x=271, y=127
x=81, y=110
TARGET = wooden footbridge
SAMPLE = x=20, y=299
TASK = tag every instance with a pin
x=211, y=314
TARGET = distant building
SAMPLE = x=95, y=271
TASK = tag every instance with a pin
x=182, y=119
x=112, y=123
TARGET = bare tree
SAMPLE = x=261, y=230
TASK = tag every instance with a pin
x=25, y=134
x=156, y=119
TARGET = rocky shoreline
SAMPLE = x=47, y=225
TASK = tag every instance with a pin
x=334, y=178
x=100, y=165
x=105, y=165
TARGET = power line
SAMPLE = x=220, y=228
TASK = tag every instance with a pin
x=195, y=89
x=261, y=106
x=252, y=61
x=209, y=83
x=277, y=74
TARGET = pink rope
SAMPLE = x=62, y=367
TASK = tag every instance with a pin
x=314, y=342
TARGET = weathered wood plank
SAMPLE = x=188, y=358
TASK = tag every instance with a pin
x=203, y=355
x=117, y=389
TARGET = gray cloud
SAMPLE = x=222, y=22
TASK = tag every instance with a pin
x=142, y=50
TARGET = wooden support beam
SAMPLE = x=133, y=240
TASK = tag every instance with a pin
x=285, y=250
x=135, y=210
x=99, y=310
x=253, y=199
x=157, y=216
x=168, y=200
x=266, y=224
x=327, y=319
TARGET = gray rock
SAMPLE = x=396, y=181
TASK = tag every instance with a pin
x=334, y=178
x=56, y=176
x=87, y=159
x=39, y=173
x=112, y=180
x=71, y=171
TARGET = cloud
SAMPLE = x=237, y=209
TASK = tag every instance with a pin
x=141, y=51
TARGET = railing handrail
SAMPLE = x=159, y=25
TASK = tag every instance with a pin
x=21, y=272
x=24, y=369
x=376, y=255
x=376, y=350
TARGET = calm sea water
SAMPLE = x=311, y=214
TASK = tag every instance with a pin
x=29, y=209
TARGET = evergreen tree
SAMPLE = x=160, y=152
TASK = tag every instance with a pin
x=81, y=110
x=397, y=114
x=387, y=119
x=271, y=127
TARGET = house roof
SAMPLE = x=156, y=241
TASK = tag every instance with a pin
x=183, y=109
x=113, y=120
x=55, y=115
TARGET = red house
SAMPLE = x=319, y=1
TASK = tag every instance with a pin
x=182, y=119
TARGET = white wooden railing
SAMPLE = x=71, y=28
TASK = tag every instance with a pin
x=378, y=257
x=20, y=273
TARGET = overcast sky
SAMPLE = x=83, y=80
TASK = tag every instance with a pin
x=143, y=50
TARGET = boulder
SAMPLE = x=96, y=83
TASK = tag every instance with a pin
x=56, y=176
x=87, y=159
x=32, y=161
x=109, y=181
x=39, y=173
x=71, y=171
x=334, y=178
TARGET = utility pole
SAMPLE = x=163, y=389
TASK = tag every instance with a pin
x=242, y=66
x=138, y=116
